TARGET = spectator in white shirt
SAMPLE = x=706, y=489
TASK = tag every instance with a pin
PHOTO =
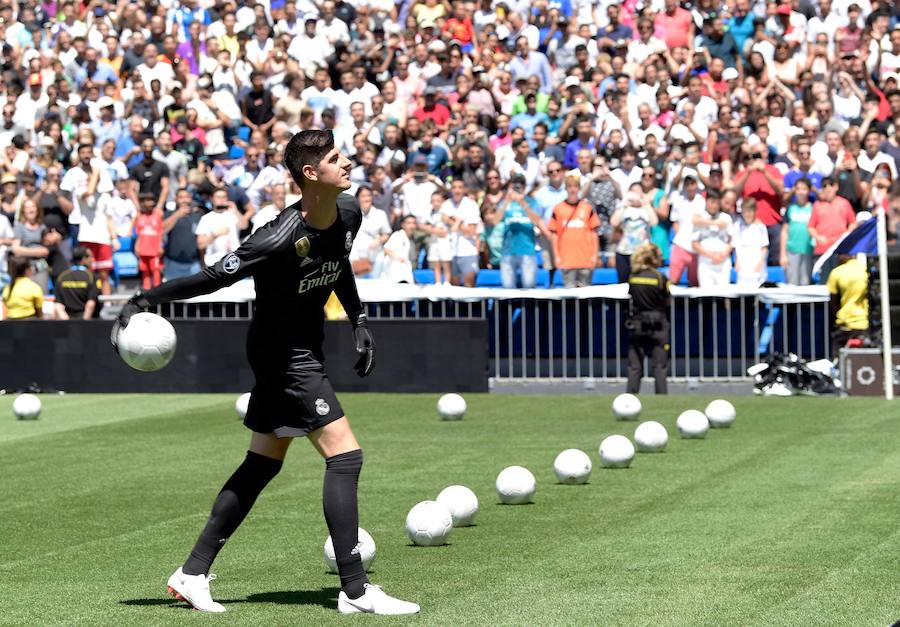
x=269, y=212
x=465, y=223
x=397, y=265
x=217, y=231
x=521, y=163
x=374, y=231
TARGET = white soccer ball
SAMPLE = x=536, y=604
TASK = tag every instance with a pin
x=651, y=437
x=241, y=404
x=626, y=407
x=572, y=466
x=429, y=524
x=692, y=424
x=27, y=407
x=451, y=407
x=462, y=503
x=515, y=485
x=147, y=343
x=720, y=414
x=365, y=544
x=616, y=451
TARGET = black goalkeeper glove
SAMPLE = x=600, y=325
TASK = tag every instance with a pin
x=135, y=304
x=365, y=346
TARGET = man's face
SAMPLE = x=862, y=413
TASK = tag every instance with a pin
x=333, y=170
x=108, y=151
x=804, y=155
x=829, y=191
x=358, y=112
x=183, y=198
x=409, y=226
x=539, y=135
x=258, y=81
x=522, y=150
x=712, y=206
x=147, y=147
x=690, y=188
x=556, y=172
x=583, y=128
x=347, y=82
x=872, y=142
x=359, y=76
x=85, y=155
x=321, y=79
x=522, y=46
x=8, y=113
x=627, y=161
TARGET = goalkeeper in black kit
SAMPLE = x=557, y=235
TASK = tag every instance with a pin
x=296, y=260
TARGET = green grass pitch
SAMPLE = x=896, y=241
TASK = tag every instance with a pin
x=792, y=517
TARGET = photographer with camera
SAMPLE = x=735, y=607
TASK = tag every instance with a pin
x=648, y=319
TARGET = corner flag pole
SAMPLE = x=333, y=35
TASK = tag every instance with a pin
x=885, y=305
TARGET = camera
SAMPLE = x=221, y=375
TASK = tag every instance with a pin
x=221, y=207
x=419, y=176
x=517, y=183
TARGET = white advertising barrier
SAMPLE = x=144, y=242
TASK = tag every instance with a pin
x=378, y=291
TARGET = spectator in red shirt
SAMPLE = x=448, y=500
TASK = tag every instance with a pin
x=674, y=25
x=764, y=183
x=459, y=27
x=432, y=110
x=832, y=217
x=148, y=245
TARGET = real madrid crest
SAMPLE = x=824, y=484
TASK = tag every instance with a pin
x=348, y=244
x=302, y=246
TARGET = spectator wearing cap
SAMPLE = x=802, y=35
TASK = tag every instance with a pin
x=435, y=154
x=210, y=117
x=765, y=184
x=528, y=62
x=107, y=125
x=431, y=109
x=32, y=103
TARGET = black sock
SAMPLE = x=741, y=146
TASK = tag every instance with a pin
x=342, y=517
x=229, y=509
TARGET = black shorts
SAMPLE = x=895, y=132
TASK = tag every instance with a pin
x=292, y=395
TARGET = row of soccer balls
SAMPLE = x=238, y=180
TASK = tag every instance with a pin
x=429, y=523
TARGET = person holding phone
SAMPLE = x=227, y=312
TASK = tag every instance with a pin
x=217, y=231
x=765, y=184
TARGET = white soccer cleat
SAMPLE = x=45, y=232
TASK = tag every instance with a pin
x=375, y=601
x=194, y=590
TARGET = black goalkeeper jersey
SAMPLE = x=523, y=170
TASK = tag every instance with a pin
x=295, y=268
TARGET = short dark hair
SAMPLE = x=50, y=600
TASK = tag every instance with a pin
x=805, y=180
x=827, y=180
x=713, y=194
x=80, y=253
x=306, y=148
x=83, y=146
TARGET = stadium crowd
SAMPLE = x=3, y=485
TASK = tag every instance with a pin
x=737, y=135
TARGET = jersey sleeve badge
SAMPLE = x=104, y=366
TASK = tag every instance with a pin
x=301, y=246
x=348, y=243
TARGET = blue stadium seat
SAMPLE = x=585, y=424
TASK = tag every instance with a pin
x=235, y=152
x=487, y=278
x=244, y=133
x=542, y=279
x=423, y=277
x=605, y=276
x=776, y=274
x=125, y=264
x=557, y=279
x=126, y=244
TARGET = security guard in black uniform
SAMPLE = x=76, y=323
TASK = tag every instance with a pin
x=648, y=320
